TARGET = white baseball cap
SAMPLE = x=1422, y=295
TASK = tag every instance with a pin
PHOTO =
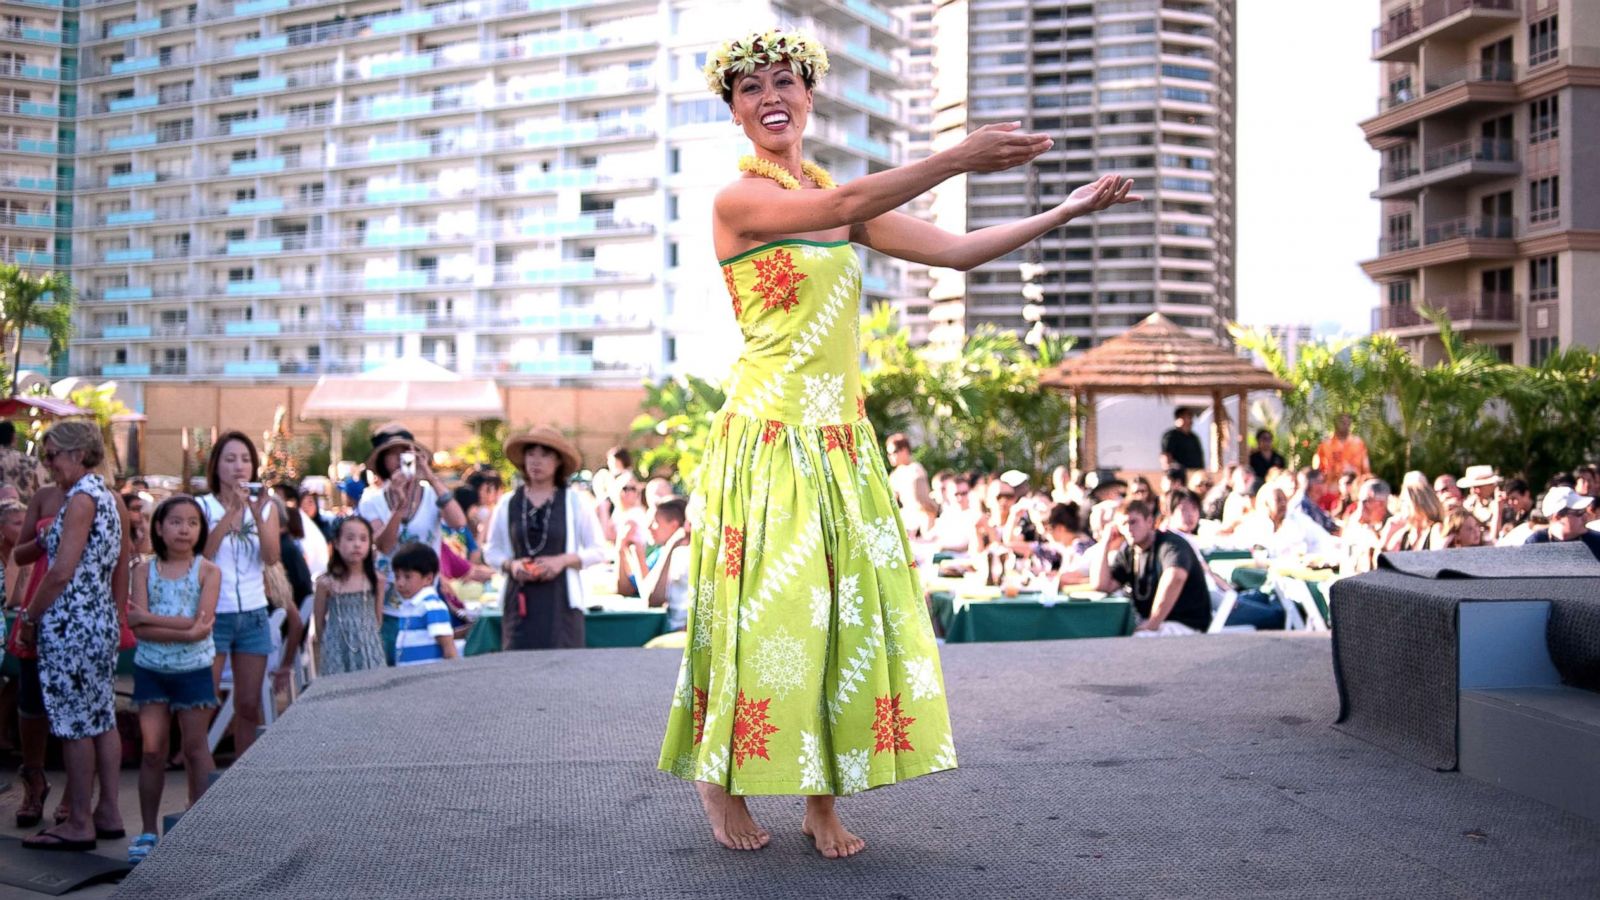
x=1559, y=500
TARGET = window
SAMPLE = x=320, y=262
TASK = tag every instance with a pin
x=1544, y=119
x=672, y=207
x=1193, y=73
x=1193, y=185
x=1185, y=95
x=1544, y=199
x=1398, y=234
x=1399, y=293
x=1541, y=349
x=1544, y=38
x=672, y=254
x=1544, y=278
x=698, y=112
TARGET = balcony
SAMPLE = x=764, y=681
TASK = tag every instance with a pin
x=1445, y=241
x=17, y=68
x=1459, y=164
x=28, y=182
x=1465, y=312
x=1451, y=91
x=1401, y=38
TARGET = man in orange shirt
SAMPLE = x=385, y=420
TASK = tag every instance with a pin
x=1343, y=451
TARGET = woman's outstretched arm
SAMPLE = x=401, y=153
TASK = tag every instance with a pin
x=908, y=238
x=757, y=207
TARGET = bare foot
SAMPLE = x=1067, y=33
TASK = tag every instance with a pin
x=821, y=824
x=731, y=822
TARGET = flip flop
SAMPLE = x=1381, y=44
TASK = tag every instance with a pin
x=140, y=848
x=44, y=840
x=110, y=834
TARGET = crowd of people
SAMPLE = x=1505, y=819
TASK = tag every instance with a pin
x=1090, y=530
x=388, y=564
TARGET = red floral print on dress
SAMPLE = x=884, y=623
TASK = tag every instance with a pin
x=771, y=432
x=750, y=729
x=699, y=715
x=891, y=727
x=840, y=437
x=733, y=291
x=778, y=281
x=732, y=551
x=861, y=406
x=727, y=420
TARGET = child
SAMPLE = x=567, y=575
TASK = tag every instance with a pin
x=173, y=607
x=667, y=582
x=349, y=602
x=425, y=635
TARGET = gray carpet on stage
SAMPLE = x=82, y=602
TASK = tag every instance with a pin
x=1198, y=767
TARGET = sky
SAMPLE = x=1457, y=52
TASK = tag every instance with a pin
x=1305, y=79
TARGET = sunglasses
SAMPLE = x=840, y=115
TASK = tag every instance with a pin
x=1005, y=496
x=631, y=489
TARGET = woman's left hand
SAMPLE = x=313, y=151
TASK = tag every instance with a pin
x=259, y=501
x=1104, y=193
x=548, y=568
x=26, y=633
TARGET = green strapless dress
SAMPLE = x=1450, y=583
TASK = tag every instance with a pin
x=811, y=665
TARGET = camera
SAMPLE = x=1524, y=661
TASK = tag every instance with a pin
x=408, y=464
x=254, y=487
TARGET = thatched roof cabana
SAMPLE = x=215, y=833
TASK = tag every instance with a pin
x=1158, y=357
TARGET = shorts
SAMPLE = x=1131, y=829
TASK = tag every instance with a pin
x=246, y=632
x=30, y=697
x=178, y=690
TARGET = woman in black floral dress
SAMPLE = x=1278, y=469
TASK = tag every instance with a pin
x=72, y=619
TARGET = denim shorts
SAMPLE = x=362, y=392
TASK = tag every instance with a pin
x=178, y=690
x=246, y=632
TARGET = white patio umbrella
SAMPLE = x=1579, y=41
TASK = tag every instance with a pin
x=406, y=387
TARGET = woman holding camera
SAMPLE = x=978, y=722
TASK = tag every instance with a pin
x=410, y=507
x=243, y=540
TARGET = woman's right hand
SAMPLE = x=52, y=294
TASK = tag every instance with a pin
x=995, y=148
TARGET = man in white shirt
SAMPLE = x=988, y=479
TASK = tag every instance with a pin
x=667, y=582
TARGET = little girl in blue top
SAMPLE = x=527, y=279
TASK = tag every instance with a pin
x=173, y=606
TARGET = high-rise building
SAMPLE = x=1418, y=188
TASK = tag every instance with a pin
x=271, y=190
x=36, y=110
x=1143, y=88
x=1489, y=124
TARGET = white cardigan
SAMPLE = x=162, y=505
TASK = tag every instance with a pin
x=583, y=539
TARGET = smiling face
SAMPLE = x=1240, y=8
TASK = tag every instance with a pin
x=772, y=105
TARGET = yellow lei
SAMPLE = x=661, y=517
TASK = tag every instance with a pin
x=785, y=178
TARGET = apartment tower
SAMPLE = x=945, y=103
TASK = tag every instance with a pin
x=1488, y=121
x=1144, y=88
x=266, y=191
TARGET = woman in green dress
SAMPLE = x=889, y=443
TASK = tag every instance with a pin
x=811, y=666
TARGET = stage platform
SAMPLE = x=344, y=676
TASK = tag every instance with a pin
x=1198, y=767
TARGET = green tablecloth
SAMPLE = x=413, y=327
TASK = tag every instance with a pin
x=1226, y=554
x=601, y=629
x=1029, y=620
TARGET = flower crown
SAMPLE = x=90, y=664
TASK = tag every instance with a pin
x=804, y=53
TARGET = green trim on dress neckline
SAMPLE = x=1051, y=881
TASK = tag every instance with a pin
x=768, y=246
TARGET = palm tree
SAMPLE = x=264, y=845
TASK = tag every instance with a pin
x=33, y=301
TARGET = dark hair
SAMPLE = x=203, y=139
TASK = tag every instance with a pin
x=293, y=524
x=621, y=454
x=160, y=515
x=1177, y=497
x=369, y=565
x=897, y=442
x=129, y=498
x=481, y=477
x=1262, y=433
x=415, y=557
x=1310, y=474
x=1586, y=471
x=1561, y=479
x=1516, y=486
x=227, y=437
x=466, y=496
x=1065, y=515
x=1139, y=507
x=676, y=509
x=8, y=433
x=1181, y=411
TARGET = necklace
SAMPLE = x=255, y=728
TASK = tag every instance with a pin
x=768, y=169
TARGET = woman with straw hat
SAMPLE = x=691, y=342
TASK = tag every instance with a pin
x=540, y=536
x=811, y=667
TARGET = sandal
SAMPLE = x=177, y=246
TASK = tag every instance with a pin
x=31, y=809
x=140, y=848
x=45, y=840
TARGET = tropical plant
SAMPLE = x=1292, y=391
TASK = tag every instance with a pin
x=33, y=301
x=103, y=406
x=486, y=447
x=679, y=414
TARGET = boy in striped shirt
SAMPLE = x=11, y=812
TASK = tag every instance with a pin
x=425, y=635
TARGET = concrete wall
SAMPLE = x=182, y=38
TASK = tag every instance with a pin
x=595, y=418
